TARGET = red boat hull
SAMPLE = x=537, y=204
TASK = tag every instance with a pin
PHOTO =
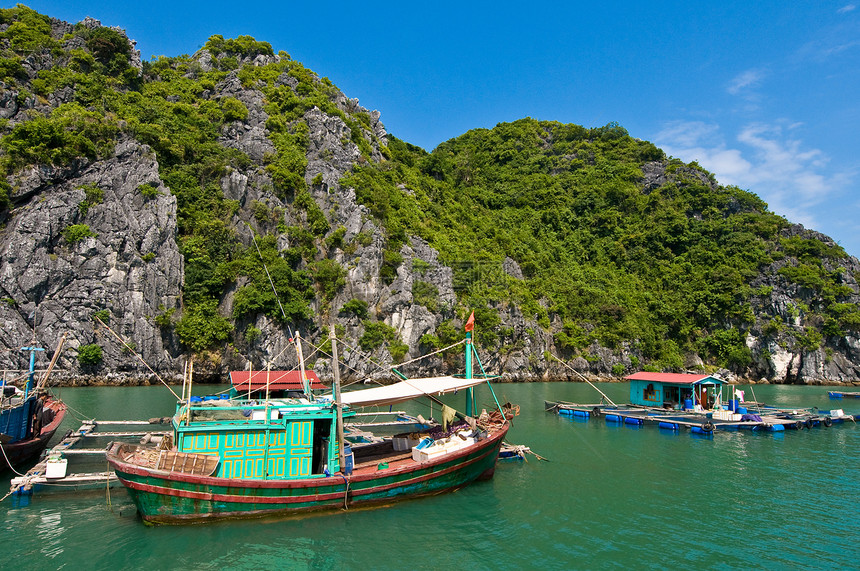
x=25, y=450
x=171, y=497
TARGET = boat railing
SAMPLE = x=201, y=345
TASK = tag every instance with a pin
x=252, y=413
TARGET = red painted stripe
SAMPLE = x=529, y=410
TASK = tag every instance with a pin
x=291, y=484
x=426, y=477
x=208, y=496
x=338, y=495
x=299, y=485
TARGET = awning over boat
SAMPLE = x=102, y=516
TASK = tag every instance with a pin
x=277, y=380
x=407, y=390
x=676, y=378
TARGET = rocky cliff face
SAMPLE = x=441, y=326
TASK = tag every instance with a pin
x=783, y=317
x=99, y=238
x=127, y=267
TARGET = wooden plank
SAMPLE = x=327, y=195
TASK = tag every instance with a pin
x=121, y=434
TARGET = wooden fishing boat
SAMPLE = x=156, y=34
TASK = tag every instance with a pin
x=237, y=457
x=38, y=418
x=28, y=417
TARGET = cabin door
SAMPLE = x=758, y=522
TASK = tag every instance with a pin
x=322, y=432
x=702, y=397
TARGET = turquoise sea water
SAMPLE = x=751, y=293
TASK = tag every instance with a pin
x=611, y=496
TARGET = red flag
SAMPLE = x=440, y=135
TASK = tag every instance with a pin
x=470, y=323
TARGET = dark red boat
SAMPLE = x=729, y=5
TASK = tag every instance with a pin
x=29, y=417
x=36, y=419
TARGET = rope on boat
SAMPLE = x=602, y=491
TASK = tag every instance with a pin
x=584, y=379
x=522, y=450
x=107, y=489
x=275, y=291
x=135, y=353
x=345, y=492
x=460, y=342
x=3, y=448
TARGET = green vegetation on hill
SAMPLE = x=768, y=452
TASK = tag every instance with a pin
x=617, y=243
x=666, y=270
x=169, y=107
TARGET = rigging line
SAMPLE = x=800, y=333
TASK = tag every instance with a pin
x=127, y=346
x=20, y=377
x=3, y=448
x=351, y=348
x=318, y=349
x=460, y=342
x=272, y=283
x=431, y=397
x=74, y=410
x=583, y=378
x=390, y=367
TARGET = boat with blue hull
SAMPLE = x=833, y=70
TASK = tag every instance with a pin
x=842, y=394
x=29, y=416
x=286, y=453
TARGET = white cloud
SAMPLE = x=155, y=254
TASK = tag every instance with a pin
x=766, y=160
x=847, y=8
x=749, y=78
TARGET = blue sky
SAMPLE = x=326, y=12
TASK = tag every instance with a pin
x=764, y=94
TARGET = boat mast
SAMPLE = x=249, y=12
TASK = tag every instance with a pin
x=336, y=368
x=44, y=378
x=470, y=392
x=31, y=377
x=305, y=385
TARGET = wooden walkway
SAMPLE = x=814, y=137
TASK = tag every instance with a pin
x=772, y=419
x=36, y=478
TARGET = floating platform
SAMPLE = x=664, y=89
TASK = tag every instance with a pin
x=769, y=419
x=52, y=469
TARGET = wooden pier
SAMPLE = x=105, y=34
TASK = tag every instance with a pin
x=38, y=476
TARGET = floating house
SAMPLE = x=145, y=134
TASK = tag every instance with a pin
x=676, y=391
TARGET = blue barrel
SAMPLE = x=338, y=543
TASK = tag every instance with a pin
x=668, y=425
x=631, y=420
x=348, y=461
x=613, y=418
x=566, y=411
x=741, y=410
x=581, y=413
x=700, y=430
x=688, y=404
x=733, y=405
x=777, y=428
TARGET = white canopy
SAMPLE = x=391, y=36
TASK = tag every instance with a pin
x=407, y=390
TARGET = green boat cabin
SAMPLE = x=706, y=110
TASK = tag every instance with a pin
x=276, y=438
